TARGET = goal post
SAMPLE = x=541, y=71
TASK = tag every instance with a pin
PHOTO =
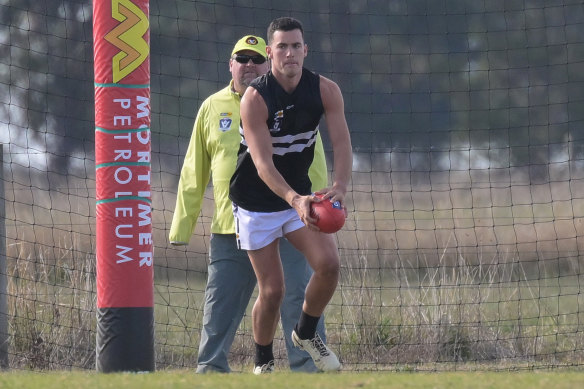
x=4, y=337
x=124, y=248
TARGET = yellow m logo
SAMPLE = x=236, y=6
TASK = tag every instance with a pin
x=127, y=37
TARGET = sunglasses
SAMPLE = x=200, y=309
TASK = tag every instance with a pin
x=256, y=59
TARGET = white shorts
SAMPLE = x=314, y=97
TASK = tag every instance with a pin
x=255, y=230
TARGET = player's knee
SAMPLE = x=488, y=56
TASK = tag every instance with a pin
x=328, y=269
x=273, y=296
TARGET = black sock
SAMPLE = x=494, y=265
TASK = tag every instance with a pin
x=264, y=354
x=306, y=326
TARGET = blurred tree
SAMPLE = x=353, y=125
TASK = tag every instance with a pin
x=47, y=55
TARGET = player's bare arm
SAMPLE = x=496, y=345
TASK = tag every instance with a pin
x=338, y=130
x=254, y=114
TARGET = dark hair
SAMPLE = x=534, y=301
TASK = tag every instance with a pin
x=284, y=24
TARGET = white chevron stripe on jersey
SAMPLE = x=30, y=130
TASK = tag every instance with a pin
x=289, y=139
x=293, y=148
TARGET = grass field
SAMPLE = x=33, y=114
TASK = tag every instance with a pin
x=493, y=311
x=444, y=321
x=187, y=379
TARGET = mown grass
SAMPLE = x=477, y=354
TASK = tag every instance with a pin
x=186, y=379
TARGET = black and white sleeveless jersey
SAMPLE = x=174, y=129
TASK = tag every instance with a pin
x=293, y=123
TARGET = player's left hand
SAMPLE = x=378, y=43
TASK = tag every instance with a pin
x=334, y=194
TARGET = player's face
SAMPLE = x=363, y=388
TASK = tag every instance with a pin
x=287, y=52
x=244, y=73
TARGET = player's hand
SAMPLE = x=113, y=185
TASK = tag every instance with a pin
x=302, y=206
x=334, y=194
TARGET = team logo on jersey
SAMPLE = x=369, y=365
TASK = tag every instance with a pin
x=278, y=117
x=225, y=121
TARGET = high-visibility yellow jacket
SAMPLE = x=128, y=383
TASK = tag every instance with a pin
x=212, y=152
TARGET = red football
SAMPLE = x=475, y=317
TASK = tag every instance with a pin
x=330, y=216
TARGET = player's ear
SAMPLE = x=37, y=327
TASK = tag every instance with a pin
x=269, y=52
x=305, y=49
